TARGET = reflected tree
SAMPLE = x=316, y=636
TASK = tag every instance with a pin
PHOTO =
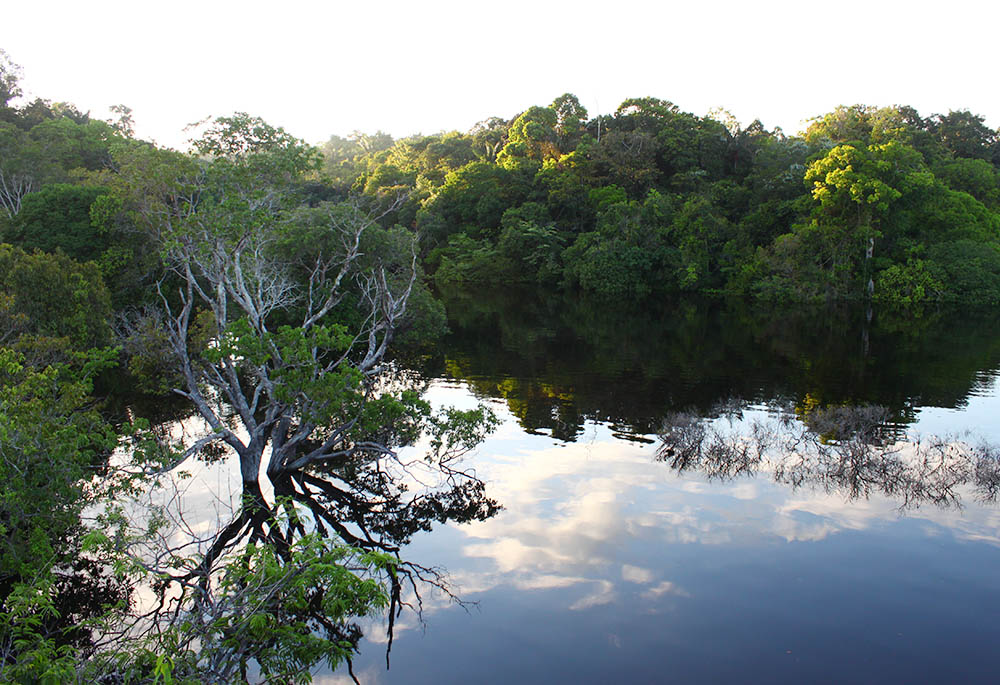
x=854, y=451
x=274, y=325
x=282, y=585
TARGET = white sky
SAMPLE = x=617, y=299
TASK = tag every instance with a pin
x=321, y=68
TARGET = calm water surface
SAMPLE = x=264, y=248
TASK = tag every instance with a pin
x=611, y=563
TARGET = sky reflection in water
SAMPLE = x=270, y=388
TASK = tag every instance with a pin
x=608, y=566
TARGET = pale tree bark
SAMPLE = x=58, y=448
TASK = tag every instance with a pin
x=13, y=187
x=225, y=279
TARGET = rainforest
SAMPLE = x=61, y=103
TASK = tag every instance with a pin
x=270, y=410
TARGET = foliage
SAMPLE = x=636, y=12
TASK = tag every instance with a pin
x=976, y=177
x=531, y=136
x=263, y=281
x=53, y=296
x=54, y=447
x=969, y=272
x=51, y=440
x=57, y=217
x=10, y=74
x=277, y=338
x=881, y=186
x=472, y=200
x=285, y=611
x=908, y=284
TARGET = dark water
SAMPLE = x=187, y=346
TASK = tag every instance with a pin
x=562, y=362
x=843, y=560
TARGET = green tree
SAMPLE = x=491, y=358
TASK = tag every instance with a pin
x=22, y=167
x=565, y=186
x=73, y=146
x=372, y=142
x=529, y=246
x=532, y=136
x=10, y=88
x=571, y=121
x=489, y=137
x=54, y=451
x=977, y=177
x=51, y=440
x=342, y=161
x=701, y=233
x=51, y=296
x=964, y=134
x=853, y=189
x=472, y=200
x=57, y=217
x=631, y=254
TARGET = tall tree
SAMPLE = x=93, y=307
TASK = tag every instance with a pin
x=21, y=167
x=10, y=88
x=571, y=120
x=532, y=136
x=964, y=134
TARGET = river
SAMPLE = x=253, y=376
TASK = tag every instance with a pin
x=615, y=560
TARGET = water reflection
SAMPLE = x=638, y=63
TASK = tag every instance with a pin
x=372, y=499
x=855, y=451
x=607, y=563
x=767, y=517
x=559, y=362
x=723, y=532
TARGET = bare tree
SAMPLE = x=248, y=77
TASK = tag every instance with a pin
x=19, y=172
x=246, y=311
x=273, y=321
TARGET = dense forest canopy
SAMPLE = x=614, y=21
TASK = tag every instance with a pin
x=868, y=202
x=259, y=281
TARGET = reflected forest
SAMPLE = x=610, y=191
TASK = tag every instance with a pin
x=220, y=368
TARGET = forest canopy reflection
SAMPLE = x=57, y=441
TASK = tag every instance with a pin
x=561, y=361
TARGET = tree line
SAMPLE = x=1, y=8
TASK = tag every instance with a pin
x=868, y=202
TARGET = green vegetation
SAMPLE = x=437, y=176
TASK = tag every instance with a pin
x=868, y=203
x=263, y=282
x=562, y=362
x=237, y=280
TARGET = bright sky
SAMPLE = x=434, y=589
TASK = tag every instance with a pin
x=330, y=67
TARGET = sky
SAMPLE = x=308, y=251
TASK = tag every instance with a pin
x=331, y=67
